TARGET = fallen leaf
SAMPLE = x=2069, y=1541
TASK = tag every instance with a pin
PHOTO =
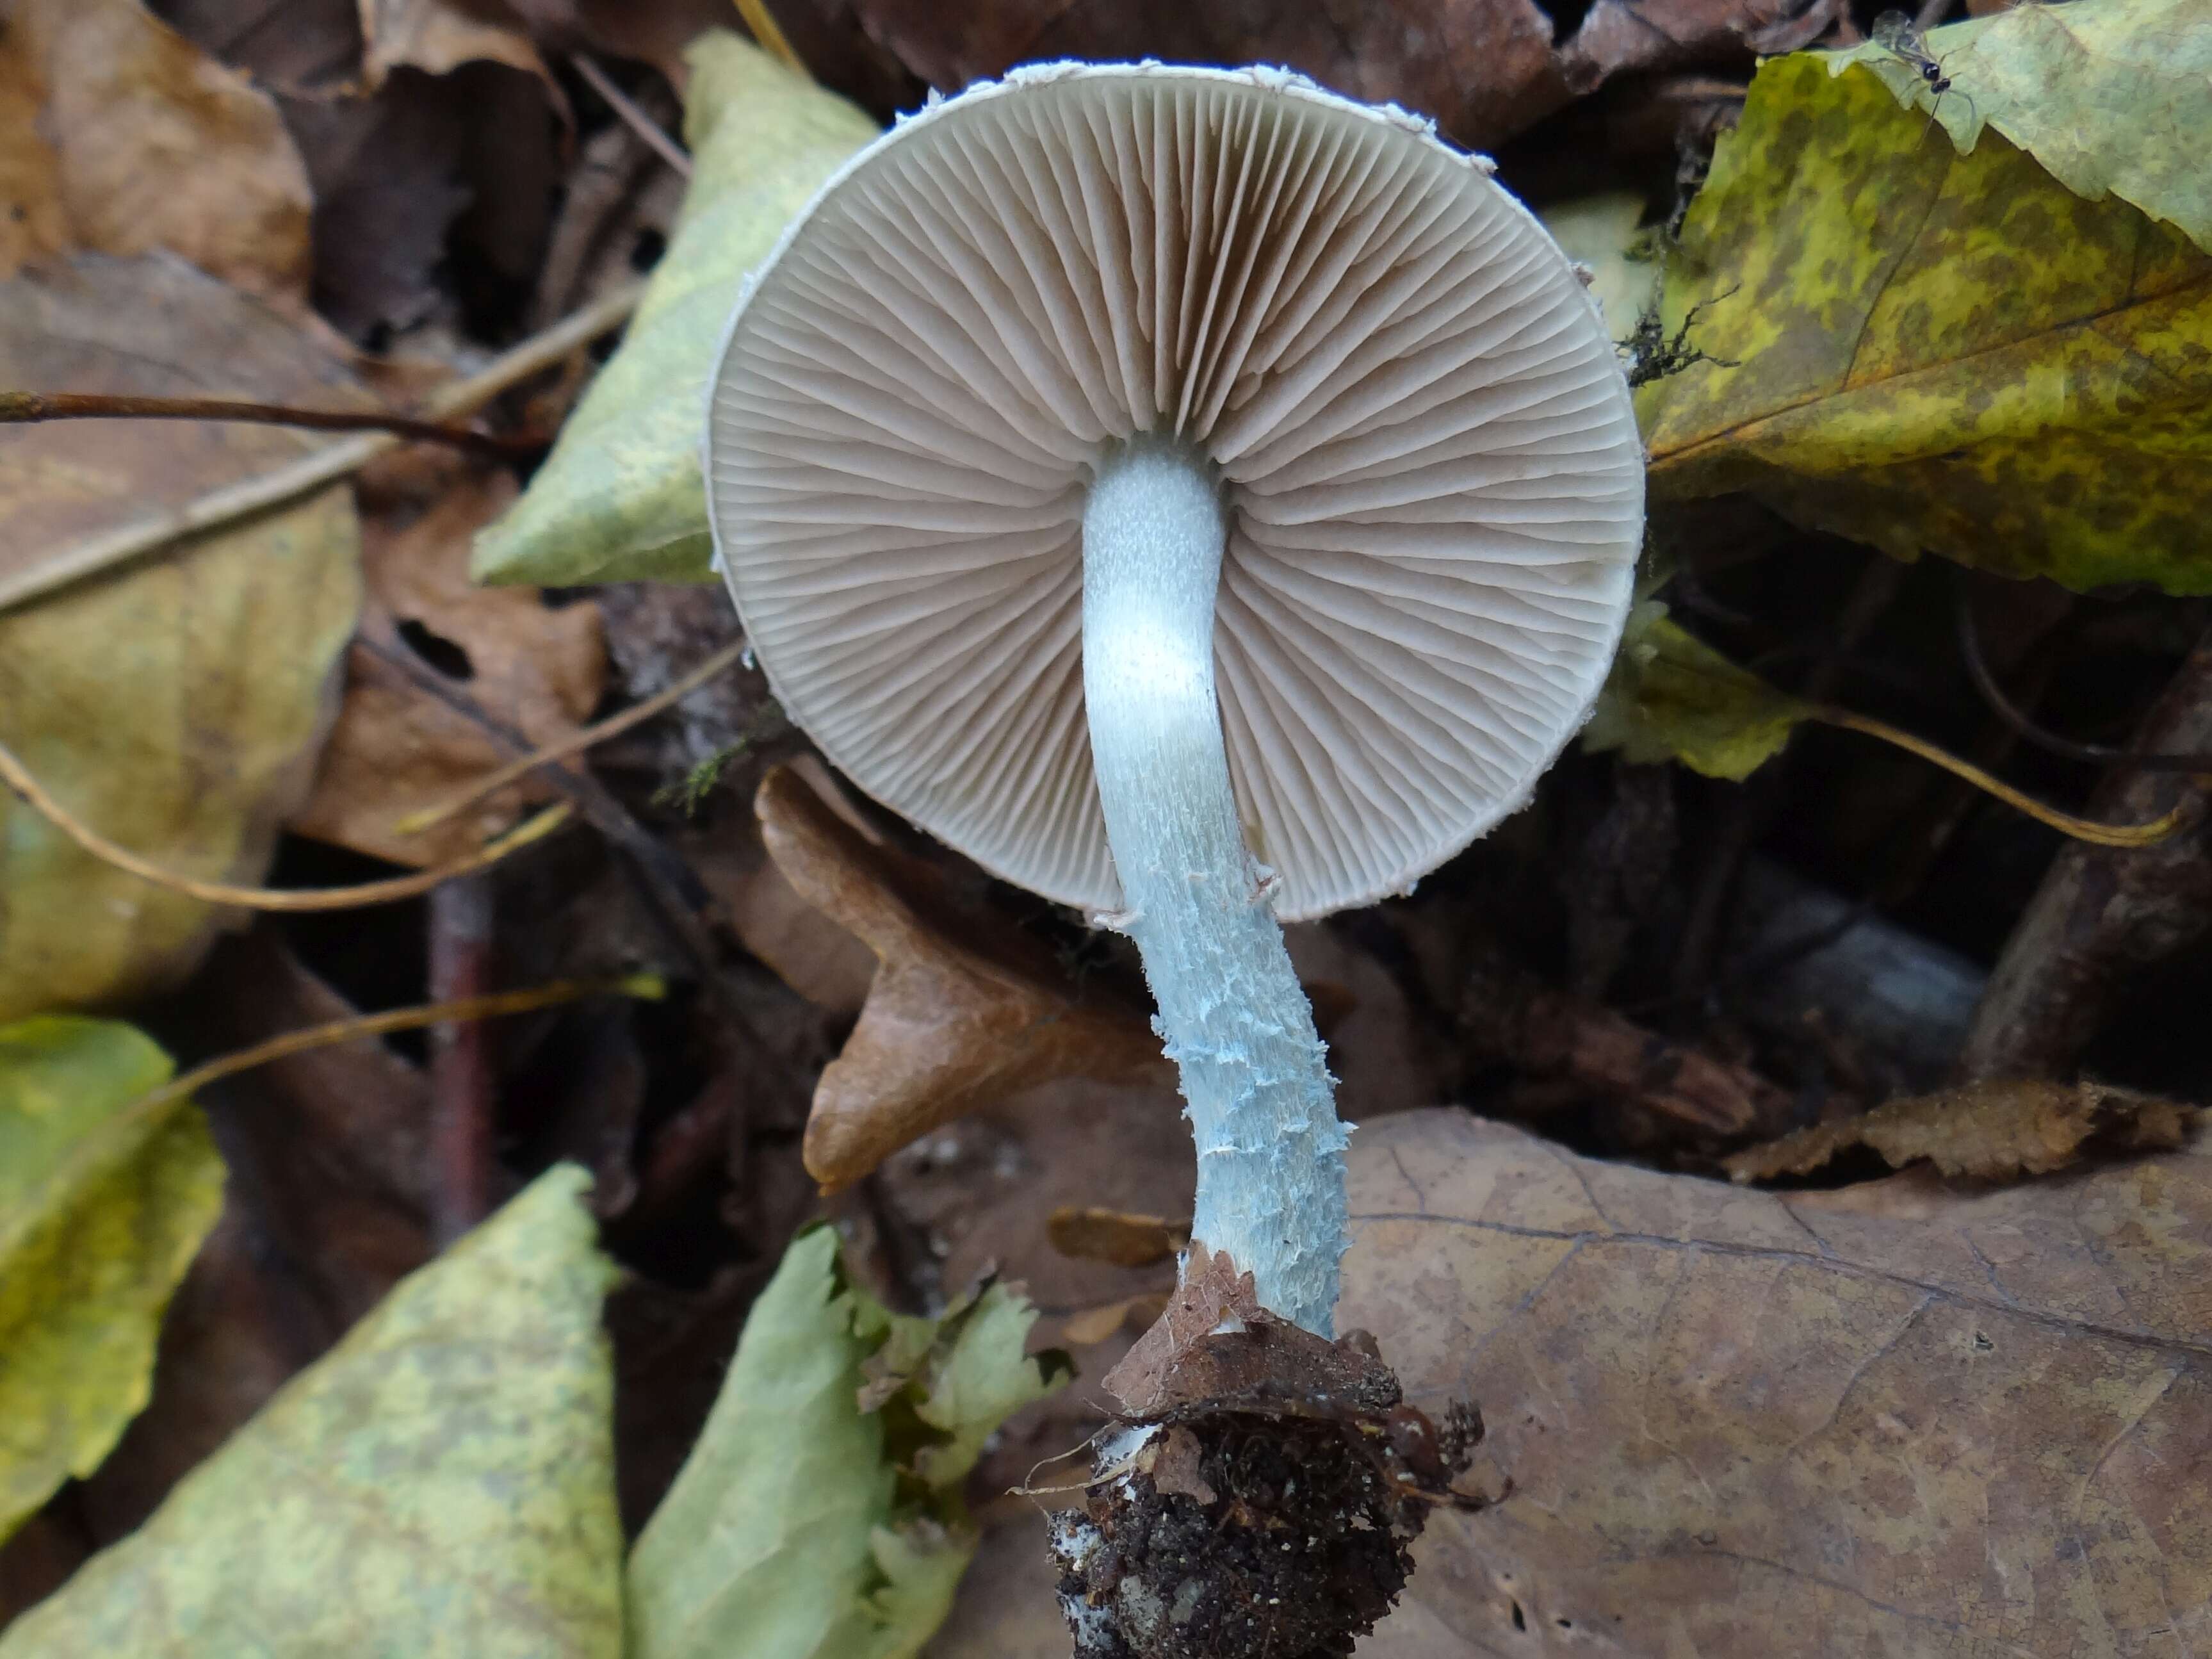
x=189, y=746
x=1600, y=233
x=1093, y=1233
x=397, y=749
x=620, y=497
x=435, y=190
x=324, y=1210
x=655, y=32
x=1993, y=1131
x=1484, y=72
x=1671, y=696
x=437, y=39
x=819, y=1518
x=156, y=145
x=981, y=1194
x=99, y=1216
x=2106, y=96
x=296, y=48
x=33, y=223
x=957, y=1016
x=1889, y=1419
x=1940, y=352
x=441, y=1486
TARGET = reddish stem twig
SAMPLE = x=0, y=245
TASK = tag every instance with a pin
x=27, y=408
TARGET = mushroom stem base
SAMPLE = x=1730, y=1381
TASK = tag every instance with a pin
x=1235, y=1019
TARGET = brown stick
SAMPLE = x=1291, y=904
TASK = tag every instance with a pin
x=310, y=472
x=2100, y=916
x=463, y=1090
x=575, y=743
x=27, y=408
x=18, y=777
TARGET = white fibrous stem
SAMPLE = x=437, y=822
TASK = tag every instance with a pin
x=1235, y=1019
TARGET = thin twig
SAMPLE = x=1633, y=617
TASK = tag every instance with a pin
x=29, y=408
x=574, y=743
x=312, y=471
x=2000, y=704
x=19, y=778
x=761, y=24
x=463, y=1087
x=632, y=115
x=92, y=1150
x=2098, y=834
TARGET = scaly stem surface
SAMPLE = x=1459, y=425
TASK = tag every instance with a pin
x=1236, y=1021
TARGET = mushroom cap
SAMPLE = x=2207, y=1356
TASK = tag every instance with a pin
x=1421, y=431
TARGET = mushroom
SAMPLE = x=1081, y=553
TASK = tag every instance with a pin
x=1201, y=499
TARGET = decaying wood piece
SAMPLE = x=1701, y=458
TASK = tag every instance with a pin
x=1510, y=1015
x=2102, y=914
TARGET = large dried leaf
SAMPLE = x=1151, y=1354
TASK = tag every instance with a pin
x=819, y=1516
x=1943, y=352
x=439, y=1486
x=2113, y=96
x=173, y=707
x=99, y=1213
x=1895, y=1419
x=958, y=1016
x=398, y=748
x=621, y=496
x=1484, y=69
x=1892, y=1420
x=154, y=144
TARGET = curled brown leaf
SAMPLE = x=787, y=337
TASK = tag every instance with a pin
x=961, y=1012
x=1994, y=1131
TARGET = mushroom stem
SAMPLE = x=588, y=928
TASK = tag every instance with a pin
x=1236, y=1021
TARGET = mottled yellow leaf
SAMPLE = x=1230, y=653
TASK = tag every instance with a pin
x=620, y=497
x=1671, y=696
x=1938, y=352
x=100, y=1213
x=441, y=1486
x=174, y=706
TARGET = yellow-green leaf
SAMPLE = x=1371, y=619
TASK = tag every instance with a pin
x=176, y=706
x=439, y=1485
x=100, y=1212
x=2111, y=96
x=1938, y=352
x=819, y=1515
x=1671, y=696
x=1599, y=233
x=620, y=497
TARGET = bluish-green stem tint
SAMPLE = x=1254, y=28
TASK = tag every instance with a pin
x=1236, y=1021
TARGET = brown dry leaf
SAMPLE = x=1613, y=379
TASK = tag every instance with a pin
x=175, y=706
x=1092, y=1233
x=1994, y=1131
x=33, y=225
x=1888, y=1420
x=154, y=144
x=1484, y=69
x=982, y=1191
x=437, y=39
x=397, y=748
x=962, y=1012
